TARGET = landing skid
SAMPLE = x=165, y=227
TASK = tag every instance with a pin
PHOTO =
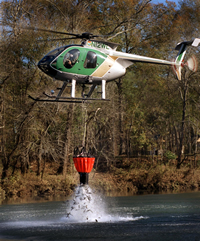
x=73, y=99
x=66, y=99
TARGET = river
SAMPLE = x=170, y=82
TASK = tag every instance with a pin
x=90, y=216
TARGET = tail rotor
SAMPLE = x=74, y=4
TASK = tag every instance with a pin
x=191, y=63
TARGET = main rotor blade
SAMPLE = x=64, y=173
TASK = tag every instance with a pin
x=58, y=39
x=86, y=35
x=50, y=31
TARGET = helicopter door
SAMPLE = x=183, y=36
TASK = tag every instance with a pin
x=71, y=58
x=87, y=62
x=91, y=60
x=73, y=61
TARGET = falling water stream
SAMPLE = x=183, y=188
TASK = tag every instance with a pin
x=87, y=215
x=87, y=206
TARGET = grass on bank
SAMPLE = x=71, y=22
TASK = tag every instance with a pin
x=127, y=178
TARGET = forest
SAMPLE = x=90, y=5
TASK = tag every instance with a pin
x=152, y=117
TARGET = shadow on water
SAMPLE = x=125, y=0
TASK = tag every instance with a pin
x=90, y=216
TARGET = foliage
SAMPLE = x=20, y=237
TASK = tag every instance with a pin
x=170, y=155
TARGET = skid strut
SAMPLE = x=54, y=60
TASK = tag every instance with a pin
x=73, y=99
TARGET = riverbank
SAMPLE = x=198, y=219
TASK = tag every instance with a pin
x=123, y=180
x=156, y=179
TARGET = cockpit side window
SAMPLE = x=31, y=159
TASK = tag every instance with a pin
x=71, y=58
x=91, y=60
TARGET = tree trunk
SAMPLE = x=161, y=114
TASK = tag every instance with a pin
x=114, y=133
x=4, y=171
x=5, y=159
x=67, y=139
x=119, y=85
x=43, y=169
x=182, y=131
x=39, y=159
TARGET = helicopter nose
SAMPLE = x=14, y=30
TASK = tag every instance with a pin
x=44, y=65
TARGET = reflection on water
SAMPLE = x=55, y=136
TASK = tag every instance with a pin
x=35, y=199
x=87, y=215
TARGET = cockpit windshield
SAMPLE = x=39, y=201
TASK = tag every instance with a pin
x=44, y=63
x=54, y=53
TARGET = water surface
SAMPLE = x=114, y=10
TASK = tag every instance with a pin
x=89, y=216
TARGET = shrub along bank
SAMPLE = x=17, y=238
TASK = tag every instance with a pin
x=118, y=180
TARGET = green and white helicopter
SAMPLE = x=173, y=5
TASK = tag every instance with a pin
x=96, y=62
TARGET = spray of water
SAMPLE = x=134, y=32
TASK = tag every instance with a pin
x=87, y=206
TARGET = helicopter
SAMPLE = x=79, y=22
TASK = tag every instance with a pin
x=97, y=62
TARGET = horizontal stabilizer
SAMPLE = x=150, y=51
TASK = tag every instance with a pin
x=196, y=42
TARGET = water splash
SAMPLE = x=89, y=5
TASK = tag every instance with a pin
x=87, y=206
